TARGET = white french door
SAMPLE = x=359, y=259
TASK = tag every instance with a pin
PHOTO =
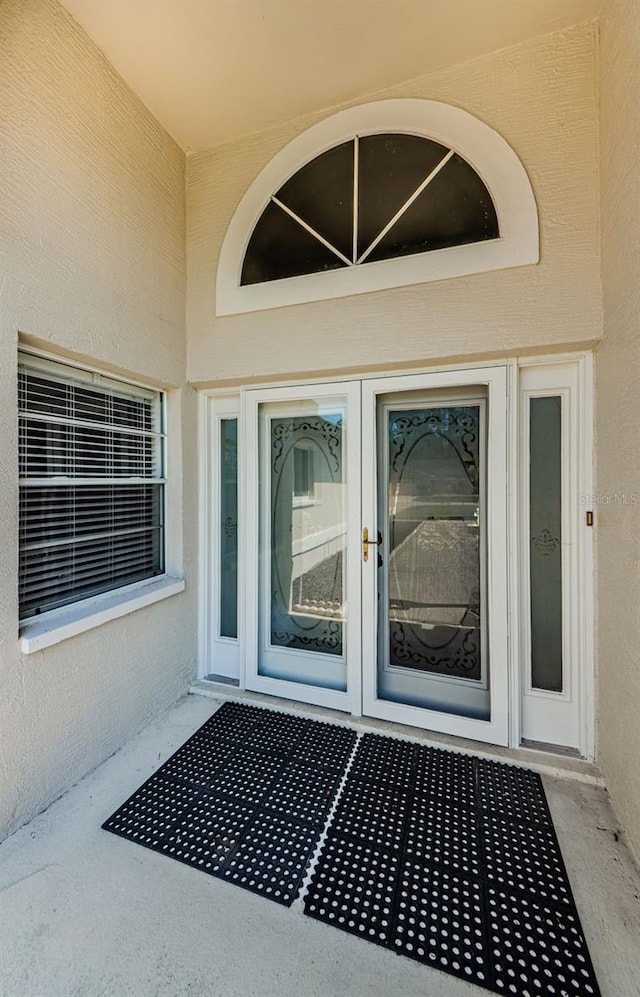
x=434, y=601
x=302, y=558
x=406, y=622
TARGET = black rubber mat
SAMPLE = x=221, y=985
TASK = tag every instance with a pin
x=453, y=861
x=244, y=799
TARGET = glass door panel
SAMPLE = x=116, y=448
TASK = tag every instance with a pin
x=431, y=495
x=302, y=541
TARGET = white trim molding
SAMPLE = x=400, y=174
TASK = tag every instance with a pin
x=78, y=617
x=483, y=148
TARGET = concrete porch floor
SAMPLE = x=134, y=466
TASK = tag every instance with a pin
x=85, y=913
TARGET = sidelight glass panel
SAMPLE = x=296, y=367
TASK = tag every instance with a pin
x=303, y=541
x=545, y=538
x=229, y=528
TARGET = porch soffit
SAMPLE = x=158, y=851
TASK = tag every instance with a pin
x=213, y=70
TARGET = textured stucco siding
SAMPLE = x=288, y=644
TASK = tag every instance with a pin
x=92, y=262
x=541, y=97
x=617, y=389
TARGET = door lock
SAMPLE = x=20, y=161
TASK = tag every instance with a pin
x=366, y=543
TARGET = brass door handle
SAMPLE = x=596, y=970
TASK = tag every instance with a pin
x=366, y=543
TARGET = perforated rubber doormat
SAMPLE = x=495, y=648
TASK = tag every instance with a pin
x=453, y=861
x=244, y=799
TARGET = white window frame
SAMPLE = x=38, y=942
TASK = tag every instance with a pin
x=487, y=152
x=58, y=624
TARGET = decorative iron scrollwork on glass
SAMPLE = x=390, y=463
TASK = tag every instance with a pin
x=455, y=650
x=329, y=642
x=457, y=425
x=284, y=435
x=307, y=610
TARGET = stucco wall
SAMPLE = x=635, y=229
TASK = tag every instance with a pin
x=617, y=387
x=541, y=97
x=92, y=262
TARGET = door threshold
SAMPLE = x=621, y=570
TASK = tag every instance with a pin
x=550, y=749
x=543, y=761
x=221, y=680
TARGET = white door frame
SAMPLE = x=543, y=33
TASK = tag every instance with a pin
x=543, y=714
x=585, y=542
x=217, y=655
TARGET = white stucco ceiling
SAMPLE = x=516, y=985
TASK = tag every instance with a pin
x=212, y=70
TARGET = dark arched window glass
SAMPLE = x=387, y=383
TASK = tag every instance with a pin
x=373, y=198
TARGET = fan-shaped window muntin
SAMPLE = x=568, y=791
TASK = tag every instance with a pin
x=373, y=198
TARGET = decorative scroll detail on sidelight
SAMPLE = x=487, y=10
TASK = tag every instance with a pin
x=545, y=543
x=306, y=548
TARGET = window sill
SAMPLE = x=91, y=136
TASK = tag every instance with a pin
x=60, y=624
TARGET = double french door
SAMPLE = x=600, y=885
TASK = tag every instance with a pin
x=375, y=550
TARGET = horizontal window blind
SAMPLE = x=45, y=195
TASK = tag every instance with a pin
x=91, y=466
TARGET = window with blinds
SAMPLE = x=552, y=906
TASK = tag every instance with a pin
x=91, y=467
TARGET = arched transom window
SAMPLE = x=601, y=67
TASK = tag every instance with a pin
x=439, y=195
x=374, y=198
